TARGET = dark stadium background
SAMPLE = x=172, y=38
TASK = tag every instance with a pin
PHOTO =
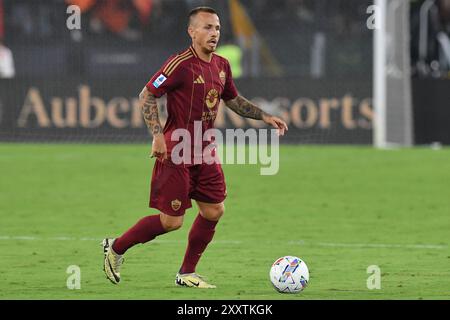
x=329, y=103
x=75, y=166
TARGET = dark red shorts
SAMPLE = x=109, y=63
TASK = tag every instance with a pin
x=173, y=186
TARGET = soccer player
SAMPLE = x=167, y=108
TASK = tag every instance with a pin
x=194, y=80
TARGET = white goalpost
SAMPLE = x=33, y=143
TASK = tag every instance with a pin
x=393, y=121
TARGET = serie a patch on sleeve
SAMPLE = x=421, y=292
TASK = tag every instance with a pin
x=159, y=81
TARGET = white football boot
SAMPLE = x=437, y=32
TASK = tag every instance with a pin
x=112, y=261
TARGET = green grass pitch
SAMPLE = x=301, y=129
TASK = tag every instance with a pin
x=341, y=209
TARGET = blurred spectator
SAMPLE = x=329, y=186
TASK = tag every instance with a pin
x=6, y=58
x=443, y=37
x=233, y=54
x=33, y=19
x=444, y=8
x=2, y=21
x=6, y=62
x=302, y=10
x=116, y=15
x=435, y=61
x=191, y=4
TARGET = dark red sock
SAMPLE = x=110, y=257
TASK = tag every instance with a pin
x=201, y=234
x=148, y=228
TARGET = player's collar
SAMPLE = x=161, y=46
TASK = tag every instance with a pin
x=196, y=55
x=193, y=51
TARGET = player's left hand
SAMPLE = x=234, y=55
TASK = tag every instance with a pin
x=276, y=123
x=159, y=148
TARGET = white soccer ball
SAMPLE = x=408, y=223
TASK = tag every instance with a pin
x=289, y=274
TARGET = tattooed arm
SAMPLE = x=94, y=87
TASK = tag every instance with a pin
x=247, y=109
x=149, y=109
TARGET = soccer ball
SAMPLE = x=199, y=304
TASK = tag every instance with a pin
x=289, y=274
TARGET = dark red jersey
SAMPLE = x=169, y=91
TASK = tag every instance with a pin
x=194, y=89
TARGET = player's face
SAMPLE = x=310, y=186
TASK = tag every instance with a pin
x=205, y=31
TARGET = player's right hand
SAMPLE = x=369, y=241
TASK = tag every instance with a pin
x=159, y=149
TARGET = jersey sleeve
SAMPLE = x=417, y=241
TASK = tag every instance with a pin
x=230, y=91
x=165, y=80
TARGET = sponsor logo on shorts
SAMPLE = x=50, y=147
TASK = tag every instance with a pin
x=176, y=204
x=159, y=81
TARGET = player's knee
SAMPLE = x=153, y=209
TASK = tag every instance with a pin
x=171, y=223
x=172, y=226
x=214, y=212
